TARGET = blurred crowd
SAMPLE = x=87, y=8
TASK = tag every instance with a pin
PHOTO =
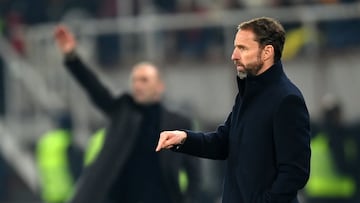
x=42, y=11
x=189, y=44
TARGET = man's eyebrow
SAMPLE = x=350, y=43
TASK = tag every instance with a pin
x=239, y=46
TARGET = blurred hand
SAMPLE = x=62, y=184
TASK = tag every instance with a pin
x=168, y=139
x=65, y=39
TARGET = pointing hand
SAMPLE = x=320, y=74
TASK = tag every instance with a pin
x=169, y=139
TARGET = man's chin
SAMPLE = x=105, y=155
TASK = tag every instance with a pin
x=139, y=100
x=241, y=74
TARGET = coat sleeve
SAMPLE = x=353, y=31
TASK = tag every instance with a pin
x=98, y=93
x=292, y=148
x=212, y=145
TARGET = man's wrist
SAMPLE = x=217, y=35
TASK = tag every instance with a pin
x=183, y=139
x=71, y=55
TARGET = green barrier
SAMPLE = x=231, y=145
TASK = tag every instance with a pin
x=55, y=176
x=324, y=180
x=95, y=144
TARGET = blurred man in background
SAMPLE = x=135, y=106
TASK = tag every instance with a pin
x=59, y=162
x=127, y=169
x=266, y=137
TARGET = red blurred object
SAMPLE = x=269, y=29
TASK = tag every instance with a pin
x=15, y=25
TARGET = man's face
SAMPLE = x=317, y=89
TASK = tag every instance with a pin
x=146, y=85
x=247, y=54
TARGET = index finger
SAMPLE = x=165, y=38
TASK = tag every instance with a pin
x=162, y=139
x=61, y=31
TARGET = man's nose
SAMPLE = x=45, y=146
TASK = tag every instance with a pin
x=234, y=55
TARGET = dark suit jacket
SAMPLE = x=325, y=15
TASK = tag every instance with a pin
x=265, y=139
x=124, y=117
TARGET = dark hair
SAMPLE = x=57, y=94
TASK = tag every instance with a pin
x=267, y=31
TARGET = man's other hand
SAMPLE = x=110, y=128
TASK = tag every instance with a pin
x=65, y=39
x=169, y=139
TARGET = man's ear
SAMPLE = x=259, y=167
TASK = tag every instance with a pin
x=161, y=87
x=268, y=52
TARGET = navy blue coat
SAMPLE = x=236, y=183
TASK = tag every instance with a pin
x=265, y=140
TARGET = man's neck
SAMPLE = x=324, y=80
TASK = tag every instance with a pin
x=265, y=67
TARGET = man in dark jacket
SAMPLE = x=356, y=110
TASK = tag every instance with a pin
x=127, y=168
x=266, y=138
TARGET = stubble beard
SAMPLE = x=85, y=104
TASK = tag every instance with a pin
x=251, y=69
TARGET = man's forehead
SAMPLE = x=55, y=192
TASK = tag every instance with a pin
x=245, y=36
x=145, y=69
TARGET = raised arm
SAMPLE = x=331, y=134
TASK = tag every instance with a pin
x=98, y=93
x=212, y=145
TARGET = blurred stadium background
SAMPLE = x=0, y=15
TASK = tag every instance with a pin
x=191, y=40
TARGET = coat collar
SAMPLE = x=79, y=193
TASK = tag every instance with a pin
x=253, y=84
